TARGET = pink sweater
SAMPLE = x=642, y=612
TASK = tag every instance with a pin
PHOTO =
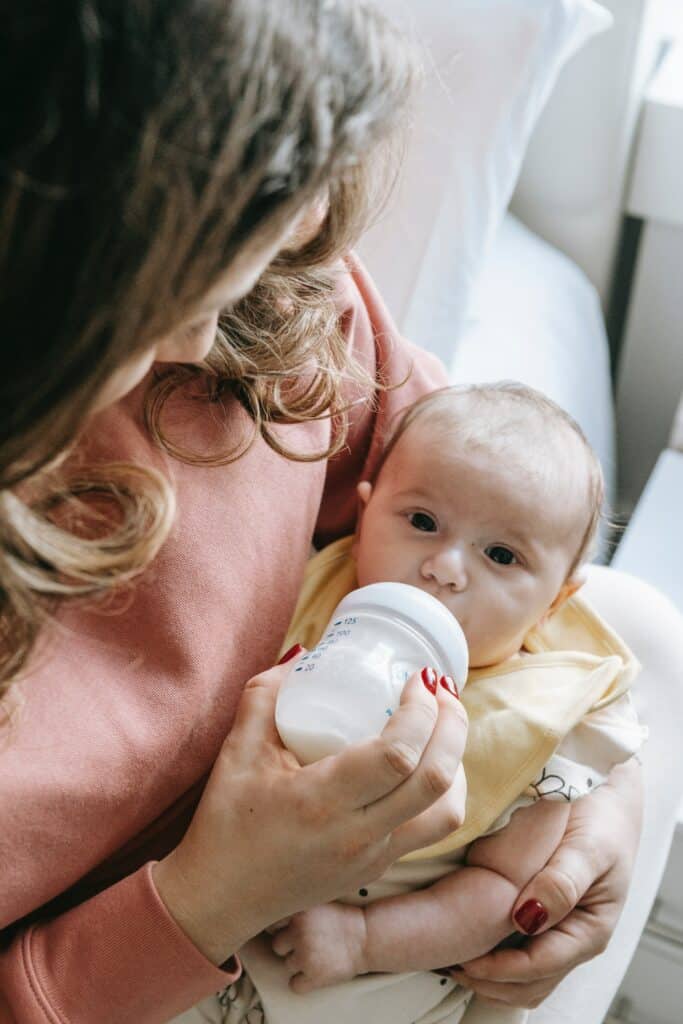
x=123, y=715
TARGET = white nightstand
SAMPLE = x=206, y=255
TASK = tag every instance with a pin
x=652, y=991
x=651, y=547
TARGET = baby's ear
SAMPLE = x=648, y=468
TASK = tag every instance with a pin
x=363, y=490
x=568, y=589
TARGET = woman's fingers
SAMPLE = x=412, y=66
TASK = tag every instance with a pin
x=592, y=865
x=503, y=995
x=367, y=772
x=254, y=725
x=541, y=958
x=400, y=775
x=525, y=976
x=429, y=805
x=446, y=815
x=555, y=891
x=433, y=825
x=414, y=760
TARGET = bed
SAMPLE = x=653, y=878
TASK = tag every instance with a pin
x=531, y=306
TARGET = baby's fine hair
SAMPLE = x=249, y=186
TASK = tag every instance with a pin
x=502, y=411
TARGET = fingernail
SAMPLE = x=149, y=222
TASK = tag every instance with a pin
x=291, y=653
x=449, y=684
x=531, y=916
x=429, y=678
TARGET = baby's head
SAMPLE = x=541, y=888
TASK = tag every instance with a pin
x=489, y=498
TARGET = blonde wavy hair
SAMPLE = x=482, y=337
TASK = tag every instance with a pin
x=150, y=146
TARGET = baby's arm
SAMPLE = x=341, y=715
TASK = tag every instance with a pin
x=462, y=916
x=467, y=912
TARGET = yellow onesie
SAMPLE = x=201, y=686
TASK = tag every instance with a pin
x=519, y=711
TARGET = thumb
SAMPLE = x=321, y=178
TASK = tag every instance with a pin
x=555, y=891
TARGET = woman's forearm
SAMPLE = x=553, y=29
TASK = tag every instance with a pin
x=118, y=956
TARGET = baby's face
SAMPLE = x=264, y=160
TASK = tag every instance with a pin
x=490, y=538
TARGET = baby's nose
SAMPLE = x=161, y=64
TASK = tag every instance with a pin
x=447, y=568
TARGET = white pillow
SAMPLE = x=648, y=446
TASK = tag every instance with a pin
x=490, y=66
x=535, y=317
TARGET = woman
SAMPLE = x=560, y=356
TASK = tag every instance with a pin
x=162, y=162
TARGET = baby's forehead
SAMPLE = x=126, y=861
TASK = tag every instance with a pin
x=527, y=437
x=536, y=463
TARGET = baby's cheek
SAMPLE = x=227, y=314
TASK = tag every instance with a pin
x=494, y=640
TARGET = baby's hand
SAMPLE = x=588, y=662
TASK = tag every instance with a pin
x=322, y=946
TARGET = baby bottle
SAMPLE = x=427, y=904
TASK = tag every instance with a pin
x=347, y=687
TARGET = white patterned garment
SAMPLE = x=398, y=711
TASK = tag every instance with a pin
x=237, y=1004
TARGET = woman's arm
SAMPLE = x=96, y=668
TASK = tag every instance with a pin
x=119, y=956
x=146, y=949
x=462, y=915
x=70, y=797
x=315, y=830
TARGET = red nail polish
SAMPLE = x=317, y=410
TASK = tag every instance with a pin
x=531, y=916
x=429, y=678
x=291, y=653
x=449, y=684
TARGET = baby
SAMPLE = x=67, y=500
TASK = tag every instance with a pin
x=488, y=498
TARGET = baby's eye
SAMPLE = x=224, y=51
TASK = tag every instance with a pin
x=501, y=555
x=422, y=521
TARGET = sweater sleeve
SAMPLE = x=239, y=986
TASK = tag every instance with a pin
x=406, y=371
x=125, y=957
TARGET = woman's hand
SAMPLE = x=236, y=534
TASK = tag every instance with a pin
x=270, y=838
x=573, y=905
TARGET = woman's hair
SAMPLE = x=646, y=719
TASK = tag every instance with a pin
x=498, y=417
x=148, y=146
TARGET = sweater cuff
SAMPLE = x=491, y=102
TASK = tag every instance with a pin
x=119, y=957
